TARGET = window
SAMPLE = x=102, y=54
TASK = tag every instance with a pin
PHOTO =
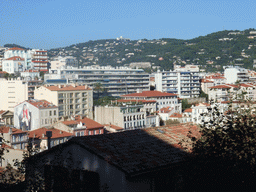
x=94, y=132
x=54, y=112
x=50, y=113
x=90, y=133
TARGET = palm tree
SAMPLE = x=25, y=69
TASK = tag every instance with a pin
x=98, y=87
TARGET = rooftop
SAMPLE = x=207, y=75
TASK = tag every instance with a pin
x=41, y=133
x=137, y=151
x=89, y=123
x=6, y=129
x=16, y=48
x=68, y=87
x=150, y=94
x=15, y=58
x=41, y=104
x=135, y=100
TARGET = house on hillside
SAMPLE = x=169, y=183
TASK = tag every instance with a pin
x=136, y=160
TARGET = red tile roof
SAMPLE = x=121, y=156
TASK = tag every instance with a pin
x=16, y=58
x=176, y=115
x=157, y=147
x=165, y=110
x=189, y=110
x=136, y=100
x=89, y=123
x=206, y=81
x=31, y=71
x=149, y=94
x=41, y=104
x=15, y=48
x=5, y=129
x=41, y=133
x=68, y=88
x=224, y=86
x=2, y=111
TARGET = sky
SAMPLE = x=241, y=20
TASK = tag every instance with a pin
x=50, y=24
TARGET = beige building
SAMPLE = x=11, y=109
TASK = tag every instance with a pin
x=12, y=92
x=71, y=99
x=33, y=114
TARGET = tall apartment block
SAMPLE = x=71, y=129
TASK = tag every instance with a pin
x=235, y=74
x=115, y=81
x=40, y=60
x=71, y=99
x=183, y=81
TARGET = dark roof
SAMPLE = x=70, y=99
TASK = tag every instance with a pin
x=137, y=151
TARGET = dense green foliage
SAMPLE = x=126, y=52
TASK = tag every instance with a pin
x=223, y=158
x=211, y=52
x=185, y=104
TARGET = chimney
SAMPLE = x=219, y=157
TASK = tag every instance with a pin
x=49, y=135
x=59, y=86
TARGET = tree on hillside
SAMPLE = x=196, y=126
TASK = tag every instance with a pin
x=224, y=157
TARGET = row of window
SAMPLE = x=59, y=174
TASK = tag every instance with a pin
x=138, y=124
x=48, y=121
x=48, y=113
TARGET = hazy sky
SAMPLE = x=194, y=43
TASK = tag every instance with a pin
x=56, y=23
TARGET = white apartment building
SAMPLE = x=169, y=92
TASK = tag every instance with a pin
x=30, y=73
x=33, y=114
x=33, y=59
x=235, y=74
x=71, y=99
x=183, y=81
x=126, y=116
x=13, y=92
x=59, y=61
x=115, y=81
x=162, y=99
x=197, y=110
x=13, y=64
x=16, y=51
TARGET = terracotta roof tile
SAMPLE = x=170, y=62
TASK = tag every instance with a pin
x=41, y=104
x=136, y=100
x=89, y=123
x=15, y=48
x=140, y=150
x=67, y=88
x=41, y=133
x=176, y=115
x=6, y=129
x=15, y=58
x=189, y=110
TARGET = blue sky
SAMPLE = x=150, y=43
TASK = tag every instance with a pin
x=57, y=23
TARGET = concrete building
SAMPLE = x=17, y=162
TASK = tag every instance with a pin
x=33, y=114
x=127, y=117
x=30, y=73
x=16, y=138
x=71, y=99
x=13, y=64
x=19, y=52
x=39, y=139
x=162, y=99
x=183, y=81
x=115, y=81
x=40, y=60
x=235, y=74
x=13, y=92
x=136, y=160
x=59, y=61
x=6, y=117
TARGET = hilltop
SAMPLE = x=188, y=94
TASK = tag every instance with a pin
x=211, y=52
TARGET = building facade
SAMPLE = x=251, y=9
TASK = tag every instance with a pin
x=162, y=99
x=40, y=60
x=235, y=74
x=13, y=92
x=33, y=114
x=71, y=99
x=182, y=81
x=13, y=64
x=114, y=81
